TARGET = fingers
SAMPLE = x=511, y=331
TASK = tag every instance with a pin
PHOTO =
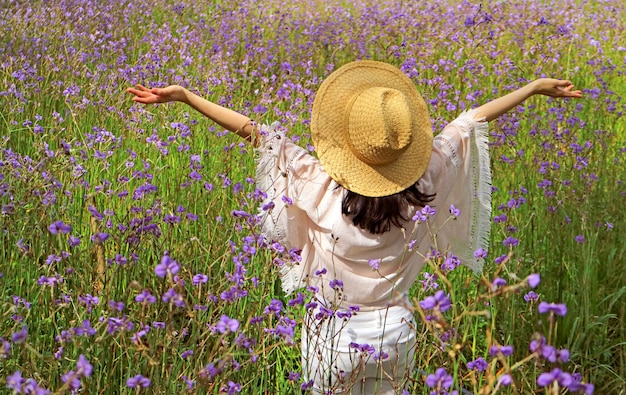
x=568, y=90
x=140, y=90
x=134, y=92
x=565, y=88
x=141, y=94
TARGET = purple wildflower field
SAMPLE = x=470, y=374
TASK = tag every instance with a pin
x=131, y=259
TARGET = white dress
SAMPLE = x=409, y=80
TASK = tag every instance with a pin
x=303, y=212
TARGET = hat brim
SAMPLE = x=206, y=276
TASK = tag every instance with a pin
x=329, y=130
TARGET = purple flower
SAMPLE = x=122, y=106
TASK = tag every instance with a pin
x=500, y=218
x=533, y=280
x=455, y=212
x=227, y=324
x=563, y=355
x=21, y=335
x=579, y=239
x=190, y=383
x=23, y=247
x=537, y=344
x=564, y=379
x=119, y=306
x=73, y=241
x=52, y=258
x=501, y=259
x=285, y=332
x=138, y=381
x=115, y=324
x=167, y=265
x=99, y=237
x=194, y=175
x=275, y=307
x=336, y=284
x=440, y=379
x=297, y=300
x=504, y=350
x=171, y=219
x=89, y=301
x=145, y=296
x=199, y=279
x=450, y=263
x=59, y=227
x=559, y=309
x=531, y=296
x=364, y=348
x=171, y=296
x=5, y=348
x=505, y=379
x=497, y=283
x=232, y=388
x=480, y=253
x=31, y=387
x=85, y=329
x=374, y=263
x=479, y=364
x=548, y=352
x=510, y=242
x=94, y=213
x=15, y=381
x=139, y=334
x=72, y=378
x=323, y=313
x=423, y=214
x=440, y=300
x=83, y=367
x=428, y=211
x=576, y=385
x=429, y=282
x=306, y=385
x=380, y=356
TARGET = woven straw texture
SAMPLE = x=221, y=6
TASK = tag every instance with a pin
x=371, y=129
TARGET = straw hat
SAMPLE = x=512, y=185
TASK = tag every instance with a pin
x=371, y=129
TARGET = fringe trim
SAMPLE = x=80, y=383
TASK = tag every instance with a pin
x=267, y=178
x=266, y=158
x=480, y=178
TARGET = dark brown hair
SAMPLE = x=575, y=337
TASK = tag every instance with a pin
x=378, y=214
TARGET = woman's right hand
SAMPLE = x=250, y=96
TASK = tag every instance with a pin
x=555, y=88
x=157, y=95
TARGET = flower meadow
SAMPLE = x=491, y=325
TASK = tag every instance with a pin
x=131, y=257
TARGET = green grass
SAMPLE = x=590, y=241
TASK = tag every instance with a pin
x=237, y=53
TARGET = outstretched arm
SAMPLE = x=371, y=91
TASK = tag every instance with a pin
x=543, y=86
x=228, y=119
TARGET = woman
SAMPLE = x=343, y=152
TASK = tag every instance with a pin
x=367, y=212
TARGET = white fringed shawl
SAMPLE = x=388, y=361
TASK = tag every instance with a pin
x=303, y=210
